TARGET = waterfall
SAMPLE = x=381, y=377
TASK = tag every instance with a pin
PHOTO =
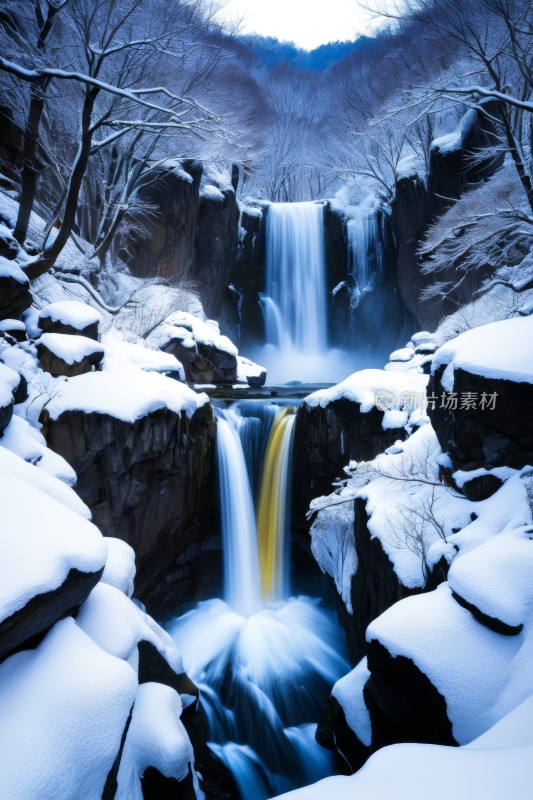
x=273, y=518
x=264, y=664
x=296, y=274
x=241, y=578
x=365, y=250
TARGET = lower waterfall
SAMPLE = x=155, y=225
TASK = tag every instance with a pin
x=264, y=661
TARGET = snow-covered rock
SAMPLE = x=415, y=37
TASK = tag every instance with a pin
x=62, y=354
x=497, y=764
x=70, y=317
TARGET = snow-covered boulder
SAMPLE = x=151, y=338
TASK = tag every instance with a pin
x=15, y=296
x=207, y=356
x=481, y=400
x=142, y=446
x=9, y=384
x=497, y=764
x=14, y=329
x=249, y=372
x=52, y=556
x=62, y=354
x=354, y=420
x=70, y=317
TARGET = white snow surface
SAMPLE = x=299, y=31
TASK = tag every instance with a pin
x=348, y=691
x=191, y=328
x=120, y=353
x=211, y=192
x=12, y=464
x=156, y=738
x=42, y=540
x=10, y=269
x=72, y=312
x=497, y=577
x=63, y=706
x=9, y=380
x=70, y=349
x=498, y=764
x=126, y=394
x=482, y=675
x=500, y=350
x=117, y=625
x=12, y=325
x=120, y=565
x=27, y=442
x=248, y=369
x=363, y=388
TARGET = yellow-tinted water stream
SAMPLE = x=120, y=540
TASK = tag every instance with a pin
x=272, y=509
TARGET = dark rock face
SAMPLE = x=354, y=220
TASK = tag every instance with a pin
x=156, y=786
x=404, y=705
x=49, y=325
x=334, y=733
x=248, y=277
x=375, y=586
x=411, y=214
x=487, y=438
x=25, y=627
x=15, y=298
x=56, y=366
x=326, y=439
x=217, y=233
x=204, y=363
x=164, y=245
x=148, y=483
x=216, y=781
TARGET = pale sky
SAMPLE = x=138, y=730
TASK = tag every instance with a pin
x=307, y=23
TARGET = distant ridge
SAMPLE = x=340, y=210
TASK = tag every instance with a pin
x=271, y=52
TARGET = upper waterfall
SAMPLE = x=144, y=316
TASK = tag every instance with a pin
x=296, y=277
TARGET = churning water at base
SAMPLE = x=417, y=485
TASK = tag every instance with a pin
x=266, y=672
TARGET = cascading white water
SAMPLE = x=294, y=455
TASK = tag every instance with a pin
x=265, y=674
x=365, y=250
x=295, y=301
x=296, y=274
x=241, y=566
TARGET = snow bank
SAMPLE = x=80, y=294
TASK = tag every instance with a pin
x=64, y=706
x=125, y=394
x=70, y=349
x=10, y=269
x=27, y=442
x=348, y=692
x=498, y=764
x=120, y=565
x=497, y=577
x=481, y=674
x=156, y=738
x=500, y=350
x=369, y=386
x=117, y=625
x=120, y=353
x=191, y=329
x=42, y=540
